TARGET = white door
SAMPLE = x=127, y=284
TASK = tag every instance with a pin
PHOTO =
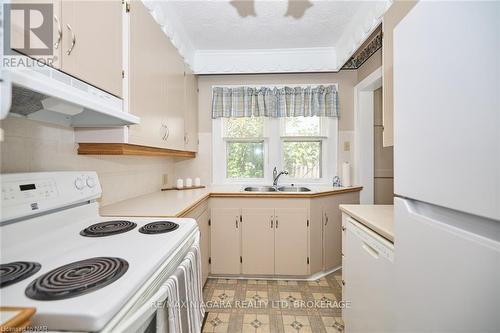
x=446, y=109
x=92, y=42
x=17, y=29
x=290, y=247
x=174, y=115
x=225, y=241
x=257, y=241
x=447, y=270
x=190, y=110
x=332, y=236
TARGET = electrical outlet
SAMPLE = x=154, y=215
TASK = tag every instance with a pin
x=347, y=145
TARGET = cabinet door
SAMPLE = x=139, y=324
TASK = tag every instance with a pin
x=203, y=221
x=147, y=77
x=392, y=17
x=190, y=111
x=92, y=35
x=290, y=247
x=225, y=241
x=257, y=241
x=332, y=236
x=174, y=117
x=17, y=29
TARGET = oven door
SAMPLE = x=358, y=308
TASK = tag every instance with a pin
x=144, y=320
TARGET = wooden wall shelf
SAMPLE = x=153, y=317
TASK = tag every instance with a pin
x=130, y=149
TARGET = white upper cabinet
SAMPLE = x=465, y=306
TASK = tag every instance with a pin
x=87, y=40
x=147, y=78
x=92, y=42
x=158, y=90
x=190, y=110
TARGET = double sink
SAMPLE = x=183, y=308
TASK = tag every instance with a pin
x=276, y=189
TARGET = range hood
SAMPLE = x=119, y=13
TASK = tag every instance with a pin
x=43, y=93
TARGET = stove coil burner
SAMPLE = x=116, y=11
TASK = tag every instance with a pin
x=16, y=271
x=108, y=228
x=159, y=227
x=77, y=278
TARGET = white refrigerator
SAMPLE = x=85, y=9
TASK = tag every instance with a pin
x=447, y=168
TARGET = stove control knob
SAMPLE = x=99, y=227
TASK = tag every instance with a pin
x=90, y=182
x=79, y=184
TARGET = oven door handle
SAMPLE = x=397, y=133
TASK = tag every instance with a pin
x=139, y=318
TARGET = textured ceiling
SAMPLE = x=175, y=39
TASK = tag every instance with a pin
x=244, y=36
x=216, y=25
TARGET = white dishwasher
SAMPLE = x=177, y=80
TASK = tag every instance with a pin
x=367, y=275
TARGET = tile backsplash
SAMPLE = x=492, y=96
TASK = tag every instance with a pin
x=31, y=146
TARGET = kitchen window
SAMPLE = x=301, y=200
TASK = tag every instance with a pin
x=246, y=149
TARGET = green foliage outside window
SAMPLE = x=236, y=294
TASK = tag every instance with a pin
x=245, y=160
x=302, y=159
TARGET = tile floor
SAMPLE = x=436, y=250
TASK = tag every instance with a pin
x=265, y=306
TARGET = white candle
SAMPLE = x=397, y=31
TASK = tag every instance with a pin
x=197, y=181
x=180, y=183
x=189, y=182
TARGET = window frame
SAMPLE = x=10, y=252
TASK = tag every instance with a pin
x=273, y=151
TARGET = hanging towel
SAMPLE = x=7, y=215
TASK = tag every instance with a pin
x=191, y=266
x=169, y=320
x=184, y=311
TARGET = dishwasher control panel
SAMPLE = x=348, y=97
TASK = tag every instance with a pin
x=374, y=243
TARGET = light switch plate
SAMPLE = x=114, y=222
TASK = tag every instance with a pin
x=347, y=146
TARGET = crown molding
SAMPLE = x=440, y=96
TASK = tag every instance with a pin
x=359, y=30
x=320, y=59
x=265, y=61
x=164, y=14
x=373, y=44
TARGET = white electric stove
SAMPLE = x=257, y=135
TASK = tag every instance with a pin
x=80, y=278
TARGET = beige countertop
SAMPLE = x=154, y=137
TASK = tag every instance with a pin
x=379, y=218
x=177, y=203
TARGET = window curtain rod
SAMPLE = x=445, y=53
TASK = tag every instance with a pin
x=276, y=102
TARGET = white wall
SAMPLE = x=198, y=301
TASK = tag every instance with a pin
x=31, y=146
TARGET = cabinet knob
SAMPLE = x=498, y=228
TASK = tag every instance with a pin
x=343, y=282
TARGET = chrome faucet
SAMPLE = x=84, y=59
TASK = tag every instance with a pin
x=276, y=176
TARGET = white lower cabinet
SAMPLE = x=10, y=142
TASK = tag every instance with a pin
x=257, y=241
x=273, y=241
x=290, y=241
x=203, y=224
x=332, y=236
x=277, y=236
x=202, y=216
x=225, y=242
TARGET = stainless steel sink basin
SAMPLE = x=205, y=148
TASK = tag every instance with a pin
x=259, y=189
x=293, y=189
x=274, y=189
